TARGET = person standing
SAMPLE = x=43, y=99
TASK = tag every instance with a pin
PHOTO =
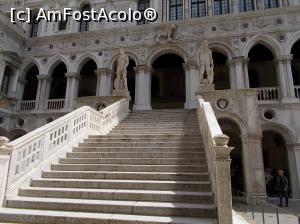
x=282, y=187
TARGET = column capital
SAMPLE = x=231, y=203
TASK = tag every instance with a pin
x=22, y=80
x=70, y=75
x=238, y=59
x=283, y=58
x=190, y=65
x=146, y=68
x=102, y=71
x=44, y=77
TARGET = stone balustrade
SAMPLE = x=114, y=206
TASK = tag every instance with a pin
x=56, y=104
x=218, y=157
x=27, y=105
x=297, y=91
x=268, y=93
x=22, y=159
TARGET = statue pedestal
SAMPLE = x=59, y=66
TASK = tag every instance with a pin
x=205, y=87
x=124, y=93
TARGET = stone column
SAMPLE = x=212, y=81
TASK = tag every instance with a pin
x=20, y=91
x=253, y=166
x=209, y=8
x=246, y=75
x=259, y=4
x=142, y=88
x=232, y=74
x=289, y=75
x=239, y=72
x=103, y=82
x=42, y=92
x=281, y=80
x=186, y=9
x=235, y=6
x=2, y=67
x=192, y=81
x=294, y=167
x=71, y=89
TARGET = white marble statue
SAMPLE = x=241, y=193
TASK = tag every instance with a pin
x=206, y=64
x=121, y=80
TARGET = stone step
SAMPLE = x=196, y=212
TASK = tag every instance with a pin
x=126, y=175
x=139, y=144
x=179, y=140
x=157, y=155
x=61, y=217
x=137, y=161
x=90, y=150
x=115, y=207
x=129, y=168
x=126, y=195
x=122, y=184
x=147, y=136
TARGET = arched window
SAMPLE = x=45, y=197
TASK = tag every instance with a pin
x=6, y=80
x=246, y=5
x=271, y=4
x=221, y=7
x=198, y=8
x=84, y=25
x=175, y=10
x=142, y=6
x=34, y=26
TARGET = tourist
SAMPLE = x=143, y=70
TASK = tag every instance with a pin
x=269, y=181
x=282, y=187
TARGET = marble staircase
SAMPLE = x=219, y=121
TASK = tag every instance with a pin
x=150, y=169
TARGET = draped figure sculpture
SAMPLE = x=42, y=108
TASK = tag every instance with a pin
x=206, y=64
x=121, y=79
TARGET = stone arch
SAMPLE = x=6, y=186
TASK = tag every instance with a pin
x=221, y=48
x=16, y=133
x=57, y=59
x=27, y=64
x=284, y=131
x=130, y=54
x=295, y=38
x=85, y=58
x=159, y=51
x=265, y=40
x=235, y=119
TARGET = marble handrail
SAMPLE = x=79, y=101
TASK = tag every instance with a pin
x=26, y=156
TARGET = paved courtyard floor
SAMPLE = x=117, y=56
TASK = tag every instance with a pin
x=285, y=215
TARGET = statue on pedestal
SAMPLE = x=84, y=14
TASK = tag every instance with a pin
x=206, y=64
x=121, y=80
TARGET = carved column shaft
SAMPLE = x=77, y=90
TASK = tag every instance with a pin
x=294, y=165
x=142, y=88
x=239, y=72
x=192, y=81
x=103, y=82
x=71, y=89
x=42, y=92
x=2, y=67
x=281, y=79
x=253, y=166
x=288, y=74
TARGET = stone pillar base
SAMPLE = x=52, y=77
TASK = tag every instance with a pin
x=124, y=93
x=142, y=107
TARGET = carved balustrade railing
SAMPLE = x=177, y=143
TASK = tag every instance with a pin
x=27, y=105
x=23, y=158
x=56, y=104
x=297, y=91
x=218, y=158
x=268, y=93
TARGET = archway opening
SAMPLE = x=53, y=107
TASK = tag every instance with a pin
x=16, y=133
x=88, y=80
x=232, y=130
x=221, y=71
x=31, y=84
x=59, y=82
x=262, y=68
x=168, y=82
x=275, y=158
x=296, y=67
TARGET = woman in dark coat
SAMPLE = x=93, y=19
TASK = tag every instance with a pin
x=282, y=187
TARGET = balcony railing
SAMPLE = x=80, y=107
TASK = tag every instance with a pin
x=268, y=94
x=56, y=104
x=297, y=92
x=27, y=105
